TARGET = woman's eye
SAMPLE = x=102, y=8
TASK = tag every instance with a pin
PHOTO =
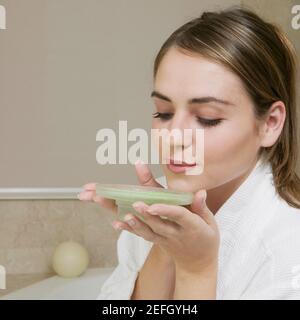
x=208, y=122
x=204, y=122
x=162, y=116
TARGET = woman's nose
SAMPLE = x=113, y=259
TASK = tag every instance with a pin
x=180, y=131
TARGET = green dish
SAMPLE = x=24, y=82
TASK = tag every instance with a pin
x=125, y=195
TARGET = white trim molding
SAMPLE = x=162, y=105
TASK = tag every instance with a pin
x=39, y=193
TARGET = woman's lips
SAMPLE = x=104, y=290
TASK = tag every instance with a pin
x=177, y=168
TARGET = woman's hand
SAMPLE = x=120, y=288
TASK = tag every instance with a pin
x=145, y=178
x=189, y=235
x=189, y=238
x=89, y=193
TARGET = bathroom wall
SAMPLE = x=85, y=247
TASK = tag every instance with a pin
x=78, y=66
x=31, y=229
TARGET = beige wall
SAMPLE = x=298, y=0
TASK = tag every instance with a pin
x=70, y=68
x=31, y=229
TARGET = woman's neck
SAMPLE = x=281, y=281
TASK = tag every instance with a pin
x=218, y=196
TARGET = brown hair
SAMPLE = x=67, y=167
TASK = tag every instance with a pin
x=262, y=56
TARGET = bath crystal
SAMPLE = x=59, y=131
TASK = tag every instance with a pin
x=125, y=195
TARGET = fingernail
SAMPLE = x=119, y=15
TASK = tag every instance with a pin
x=137, y=205
x=151, y=211
x=116, y=226
x=130, y=220
x=79, y=196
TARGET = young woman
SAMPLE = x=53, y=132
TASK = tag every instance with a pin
x=232, y=74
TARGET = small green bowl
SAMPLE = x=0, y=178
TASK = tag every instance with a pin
x=125, y=195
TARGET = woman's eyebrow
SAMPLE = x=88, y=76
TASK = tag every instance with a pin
x=193, y=100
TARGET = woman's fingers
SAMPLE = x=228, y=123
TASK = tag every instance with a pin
x=120, y=225
x=179, y=214
x=89, y=194
x=140, y=228
x=163, y=227
x=91, y=186
x=145, y=176
x=109, y=204
x=86, y=195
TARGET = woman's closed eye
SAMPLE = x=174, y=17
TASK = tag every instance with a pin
x=163, y=116
x=205, y=122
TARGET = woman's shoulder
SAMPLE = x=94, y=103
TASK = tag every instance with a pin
x=282, y=233
x=285, y=214
x=278, y=215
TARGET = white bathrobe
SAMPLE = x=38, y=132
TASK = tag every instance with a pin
x=259, y=255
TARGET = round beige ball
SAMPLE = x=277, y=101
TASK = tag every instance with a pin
x=70, y=259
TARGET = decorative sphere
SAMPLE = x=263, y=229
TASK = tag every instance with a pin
x=70, y=259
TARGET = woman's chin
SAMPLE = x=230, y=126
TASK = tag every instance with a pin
x=182, y=181
x=182, y=184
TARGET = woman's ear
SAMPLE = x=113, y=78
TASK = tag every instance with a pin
x=273, y=124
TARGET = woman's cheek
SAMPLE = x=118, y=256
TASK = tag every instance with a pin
x=229, y=145
x=216, y=144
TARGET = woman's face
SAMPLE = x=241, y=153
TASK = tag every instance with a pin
x=231, y=140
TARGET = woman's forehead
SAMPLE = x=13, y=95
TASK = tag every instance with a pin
x=194, y=75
